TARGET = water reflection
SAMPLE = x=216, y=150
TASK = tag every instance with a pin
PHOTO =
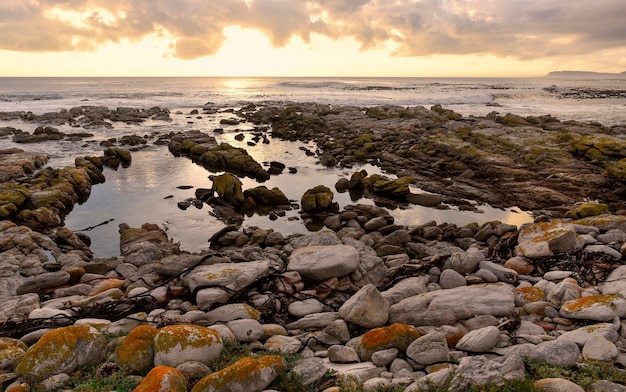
x=147, y=191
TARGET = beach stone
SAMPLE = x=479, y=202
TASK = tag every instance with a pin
x=519, y=265
x=314, y=321
x=581, y=335
x=320, y=263
x=229, y=312
x=610, y=236
x=342, y=354
x=605, y=386
x=360, y=372
x=485, y=275
x=310, y=369
x=61, y=350
x=375, y=384
x=163, y=378
x=450, y=279
x=428, y=349
x=557, y=385
x=479, y=340
x=234, y=276
x=384, y=357
x=556, y=276
x=431, y=380
x=405, y=288
x=35, y=284
x=246, y=330
x=545, y=239
x=366, y=308
x=604, y=250
x=615, y=282
x=464, y=262
x=599, y=307
x=336, y=332
x=556, y=352
x=284, y=344
x=247, y=374
x=446, y=307
x=302, y=308
x=598, y=348
x=11, y=351
x=563, y=292
x=503, y=274
x=317, y=199
x=135, y=353
x=175, y=344
x=396, y=335
x=479, y=370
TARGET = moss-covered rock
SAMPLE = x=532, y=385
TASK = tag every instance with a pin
x=600, y=147
x=228, y=187
x=175, y=344
x=135, y=353
x=263, y=196
x=163, y=379
x=317, y=199
x=397, y=188
x=248, y=374
x=11, y=197
x=617, y=170
x=585, y=210
x=62, y=350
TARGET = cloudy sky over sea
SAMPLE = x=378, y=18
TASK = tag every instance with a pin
x=310, y=37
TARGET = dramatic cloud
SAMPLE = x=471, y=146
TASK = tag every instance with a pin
x=523, y=29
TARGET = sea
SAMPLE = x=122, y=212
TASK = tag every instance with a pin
x=149, y=191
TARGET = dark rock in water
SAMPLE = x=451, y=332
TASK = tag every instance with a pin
x=229, y=121
x=239, y=137
x=132, y=140
x=398, y=188
x=424, y=199
x=328, y=161
x=276, y=168
x=227, y=214
x=293, y=170
x=185, y=187
x=342, y=185
x=113, y=157
x=40, y=134
x=317, y=199
x=263, y=196
x=228, y=188
x=204, y=194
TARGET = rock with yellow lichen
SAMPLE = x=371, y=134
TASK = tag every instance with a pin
x=546, y=239
x=175, y=344
x=163, y=379
x=11, y=351
x=248, y=374
x=135, y=353
x=61, y=350
x=599, y=307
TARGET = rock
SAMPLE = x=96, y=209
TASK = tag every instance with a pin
x=479, y=340
x=556, y=352
x=43, y=282
x=310, y=369
x=342, y=354
x=546, y=239
x=366, y=308
x=581, y=335
x=233, y=276
x=450, y=279
x=61, y=350
x=503, y=274
x=396, y=335
x=478, y=370
x=598, y=348
x=175, y=344
x=135, y=353
x=314, y=321
x=263, y=196
x=320, y=263
x=385, y=357
x=247, y=374
x=246, y=330
x=605, y=386
x=303, y=308
x=317, y=199
x=445, y=307
x=229, y=188
x=556, y=385
x=284, y=344
x=163, y=378
x=405, y=288
x=600, y=307
x=585, y=210
x=428, y=349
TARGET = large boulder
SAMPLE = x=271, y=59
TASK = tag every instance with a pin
x=366, y=308
x=163, y=378
x=545, y=239
x=175, y=344
x=61, y=350
x=317, y=199
x=228, y=187
x=324, y=262
x=135, y=353
x=247, y=374
x=446, y=307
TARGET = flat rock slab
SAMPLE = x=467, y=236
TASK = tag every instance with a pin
x=324, y=262
x=446, y=307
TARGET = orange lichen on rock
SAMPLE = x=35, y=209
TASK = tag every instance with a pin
x=530, y=293
x=175, y=344
x=135, y=353
x=582, y=303
x=247, y=374
x=163, y=379
x=393, y=335
x=61, y=350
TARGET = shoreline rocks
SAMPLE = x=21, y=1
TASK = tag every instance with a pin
x=373, y=300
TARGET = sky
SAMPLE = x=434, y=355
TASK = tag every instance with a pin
x=408, y=38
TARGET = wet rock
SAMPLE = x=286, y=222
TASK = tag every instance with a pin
x=317, y=199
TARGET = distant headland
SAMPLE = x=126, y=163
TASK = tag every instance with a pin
x=585, y=74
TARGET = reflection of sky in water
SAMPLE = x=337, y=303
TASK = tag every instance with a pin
x=136, y=195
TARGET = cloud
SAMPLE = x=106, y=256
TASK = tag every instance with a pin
x=523, y=29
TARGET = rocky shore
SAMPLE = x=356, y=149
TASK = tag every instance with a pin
x=362, y=299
